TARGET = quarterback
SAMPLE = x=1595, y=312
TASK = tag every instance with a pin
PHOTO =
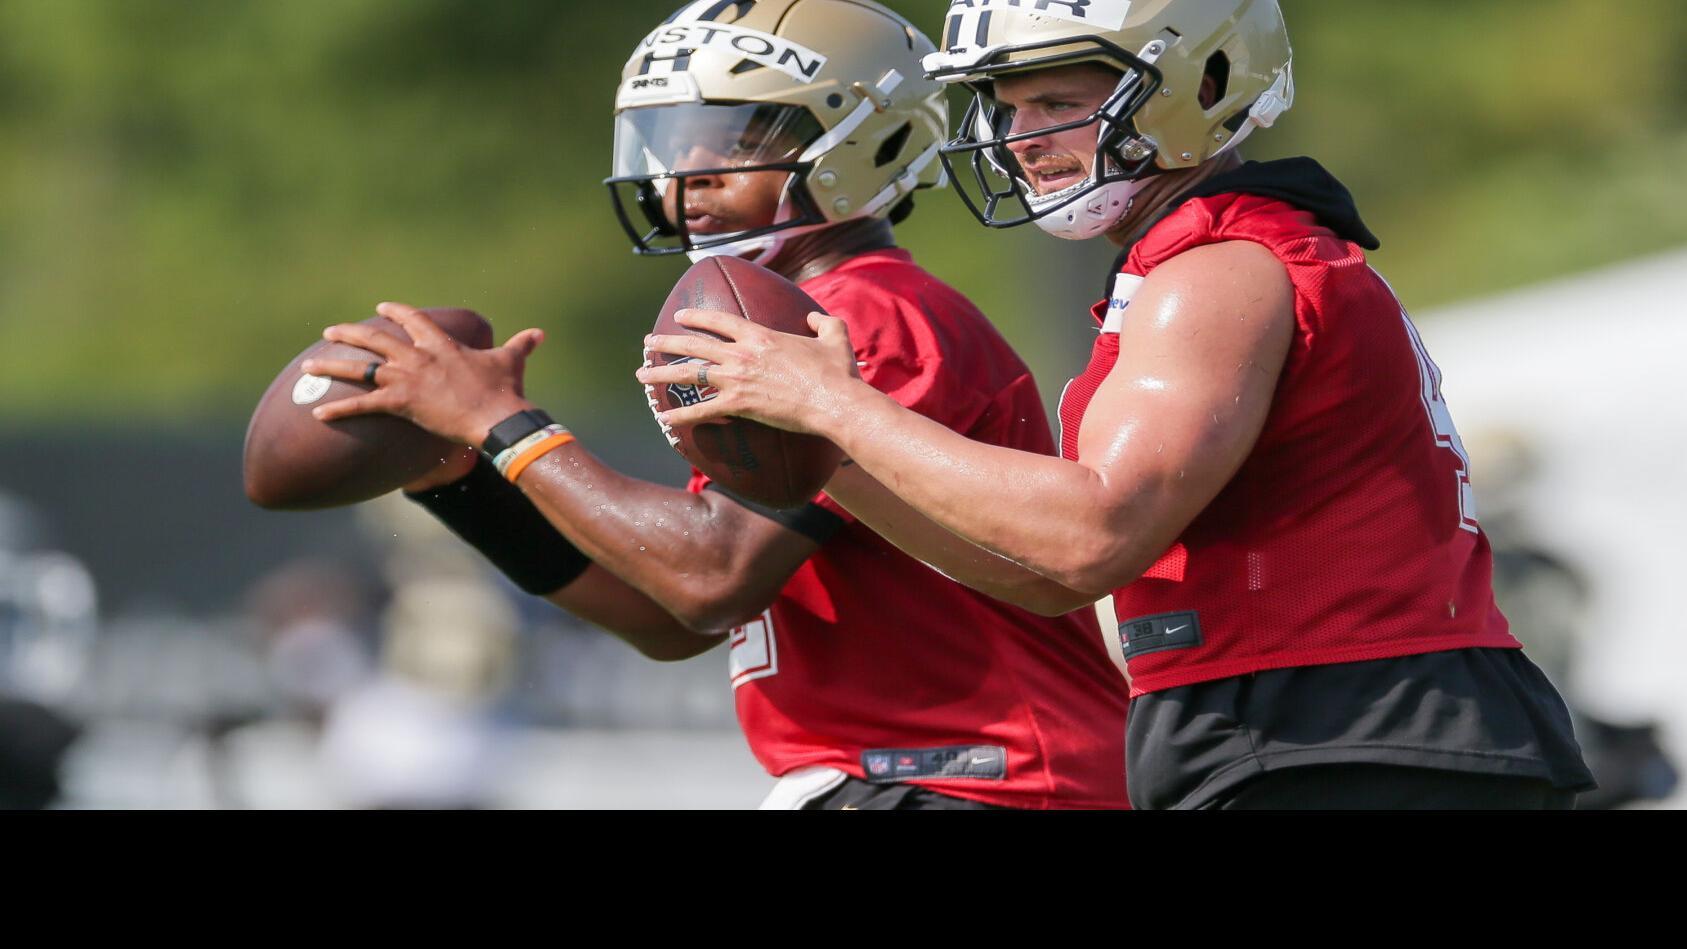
x=1258, y=462
x=793, y=133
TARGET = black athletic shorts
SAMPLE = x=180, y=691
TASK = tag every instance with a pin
x=1471, y=711
x=858, y=795
x=1389, y=787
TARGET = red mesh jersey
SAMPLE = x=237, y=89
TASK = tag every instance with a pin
x=1349, y=532
x=867, y=648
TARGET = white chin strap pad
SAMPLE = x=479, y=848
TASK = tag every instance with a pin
x=750, y=250
x=1094, y=214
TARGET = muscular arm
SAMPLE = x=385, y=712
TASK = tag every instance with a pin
x=603, y=599
x=1201, y=351
x=921, y=538
x=705, y=561
x=704, y=558
x=677, y=616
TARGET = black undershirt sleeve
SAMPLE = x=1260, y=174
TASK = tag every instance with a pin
x=494, y=517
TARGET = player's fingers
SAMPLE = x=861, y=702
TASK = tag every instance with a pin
x=830, y=329
x=697, y=347
x=369, y=403
x=523, y=343
x=692, y=414
x=730, y=325
x=421, y=328
x=351, y=370
x=684, y=373
x=366, y=337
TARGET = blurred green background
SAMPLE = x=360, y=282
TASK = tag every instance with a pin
x=191, y=189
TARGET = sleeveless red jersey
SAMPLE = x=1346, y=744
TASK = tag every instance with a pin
x=1349, y=533
x=872, y=662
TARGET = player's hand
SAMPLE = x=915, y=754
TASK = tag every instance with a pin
x=452, y=390
x=797, y=383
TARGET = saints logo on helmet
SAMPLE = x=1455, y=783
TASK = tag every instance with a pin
x=1153, y=122
x=828, y=96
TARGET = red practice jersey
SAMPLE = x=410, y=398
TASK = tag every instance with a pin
x=876, y=664
x=1349, y=532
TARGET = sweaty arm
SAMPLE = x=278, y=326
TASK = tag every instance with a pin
x=960, y=559
x=707, y=561
x=672, y=569
x=1200, y=354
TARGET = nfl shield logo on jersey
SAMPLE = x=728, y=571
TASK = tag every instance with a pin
x=685, y=394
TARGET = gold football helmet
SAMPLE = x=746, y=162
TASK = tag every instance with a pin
x=1154, y=120
x=830, y=94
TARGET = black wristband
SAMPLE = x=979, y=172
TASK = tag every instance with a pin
x=495, y=518
x=514, y=429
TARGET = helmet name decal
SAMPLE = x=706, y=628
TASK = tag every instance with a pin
x=1102, y=14
x=678, y=42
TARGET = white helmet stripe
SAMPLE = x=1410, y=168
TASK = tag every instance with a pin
x=708, y=27
x=710, y=10
x=1101, y=14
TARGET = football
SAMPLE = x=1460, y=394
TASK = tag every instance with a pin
x=773, y=467
x=294, y=462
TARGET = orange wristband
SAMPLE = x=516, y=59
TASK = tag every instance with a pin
x=517, y=466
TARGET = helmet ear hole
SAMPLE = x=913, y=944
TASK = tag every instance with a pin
x=1215, y=83
x=903, y=210
x=891, y=149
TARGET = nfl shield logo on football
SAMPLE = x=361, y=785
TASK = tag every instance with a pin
x=683, y=394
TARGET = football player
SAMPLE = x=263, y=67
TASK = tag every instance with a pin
x=1258, y=462
x=793, y=133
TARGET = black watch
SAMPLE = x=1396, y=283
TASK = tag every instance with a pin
x=514, y=429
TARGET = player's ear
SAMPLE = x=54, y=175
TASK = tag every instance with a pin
x=1209, y=91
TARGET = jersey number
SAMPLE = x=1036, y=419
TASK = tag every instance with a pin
x=1441, y=420
x=754, y=650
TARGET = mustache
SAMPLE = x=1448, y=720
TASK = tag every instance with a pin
x=1044, y=164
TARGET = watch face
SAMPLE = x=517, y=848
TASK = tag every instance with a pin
x=514, y=429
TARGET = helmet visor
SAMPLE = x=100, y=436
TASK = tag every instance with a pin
x=695, y=176
x=678, y=139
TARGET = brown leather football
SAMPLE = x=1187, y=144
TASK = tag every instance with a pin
x=774, y=467
x=296, y=463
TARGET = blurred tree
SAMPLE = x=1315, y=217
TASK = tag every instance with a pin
x=191, y=189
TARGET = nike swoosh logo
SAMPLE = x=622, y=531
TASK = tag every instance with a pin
x=1171, y=632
